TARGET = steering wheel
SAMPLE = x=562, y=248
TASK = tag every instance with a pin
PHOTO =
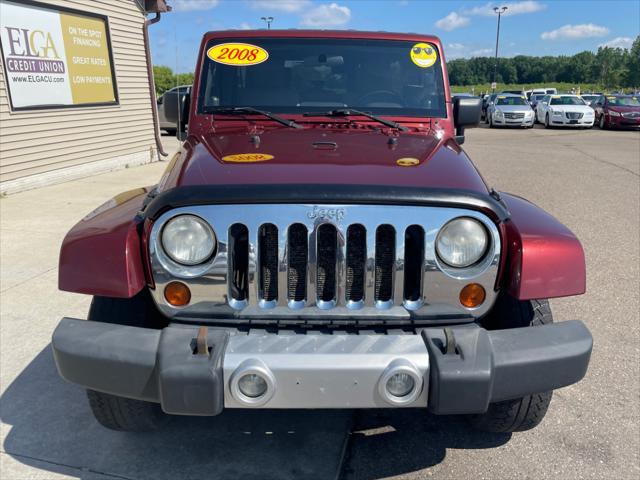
x=386, y=94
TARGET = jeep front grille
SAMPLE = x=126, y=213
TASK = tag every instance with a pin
x=324, y=261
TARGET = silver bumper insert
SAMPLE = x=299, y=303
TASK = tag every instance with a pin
x=326, y=371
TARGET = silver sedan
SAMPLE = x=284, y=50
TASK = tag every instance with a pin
x=510, y=111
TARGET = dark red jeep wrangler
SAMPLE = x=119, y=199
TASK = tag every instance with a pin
x=321, y=241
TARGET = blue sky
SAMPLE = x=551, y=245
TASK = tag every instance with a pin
x=467, y=28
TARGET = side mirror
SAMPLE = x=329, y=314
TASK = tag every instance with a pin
x=174, y=110
x=545, y=103
x=160, y=98
x=466, y=113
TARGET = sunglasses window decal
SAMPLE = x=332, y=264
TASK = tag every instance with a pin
x=424, y=55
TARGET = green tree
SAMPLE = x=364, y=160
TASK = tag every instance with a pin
x=632, y=78
x=165, y=79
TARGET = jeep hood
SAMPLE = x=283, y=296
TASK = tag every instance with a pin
x=353, y=155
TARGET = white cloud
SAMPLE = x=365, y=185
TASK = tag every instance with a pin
x=245, y=26
x=481, y=52
x=286, y=6
x=459, y=50
x=192, y=5
x=513, y=8
x=585, y=30
x=452, y=21
x=326, y=16
x=618, y=42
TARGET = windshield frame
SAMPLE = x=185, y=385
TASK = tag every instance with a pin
x=402, y=113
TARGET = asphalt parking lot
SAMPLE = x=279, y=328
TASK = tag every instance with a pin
x=590, y=180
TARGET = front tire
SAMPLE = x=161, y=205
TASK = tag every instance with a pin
x=111, y=411
x=602, y=124
x=524, y=413
x=546, y=121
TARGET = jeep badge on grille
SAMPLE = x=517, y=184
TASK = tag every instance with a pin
x=336, y=214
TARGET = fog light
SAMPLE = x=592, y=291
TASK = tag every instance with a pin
x=472, y=295
x=400, y=384
x=177, y=294
x=252, y=385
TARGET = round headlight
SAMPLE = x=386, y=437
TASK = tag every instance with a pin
x=188, y=240
x=462, y=242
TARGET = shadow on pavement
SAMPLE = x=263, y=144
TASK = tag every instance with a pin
x=386, y=443
x=49, y=421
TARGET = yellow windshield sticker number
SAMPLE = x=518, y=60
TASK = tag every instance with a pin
x=407, y=162
x=556, y=96
x=424, y=55
x=247, y=157
x=237, y=54
x=611, y=98
x=501, y=98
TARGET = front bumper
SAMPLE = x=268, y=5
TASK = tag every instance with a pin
x=563, y=121
x=460, y=371
x=622, y=122
x=513, y=122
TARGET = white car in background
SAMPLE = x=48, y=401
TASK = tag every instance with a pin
x=564, y=111
x=508, y=110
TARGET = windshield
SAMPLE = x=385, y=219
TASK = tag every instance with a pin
x=512, y=101
x=302, y=75
x=624, y=101
x=566, y=101
x=537, y=98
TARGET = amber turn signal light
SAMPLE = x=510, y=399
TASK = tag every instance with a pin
x=177, y=294
x=472, y=295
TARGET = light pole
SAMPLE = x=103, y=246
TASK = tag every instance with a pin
x=499, y=11
x=268, y=20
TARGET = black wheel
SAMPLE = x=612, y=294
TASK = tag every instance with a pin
x=491, y=125
x=546, y=121
x=125, y=414
x=170, y=131
x=524, y=413
x=118, y=413
x=602, y=124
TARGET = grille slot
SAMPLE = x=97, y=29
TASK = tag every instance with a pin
x=356, y=258
x=385, y=255
x=297, y=261
x=238, y=262
x=413, y=262
x=326, y=253
x=268, y=258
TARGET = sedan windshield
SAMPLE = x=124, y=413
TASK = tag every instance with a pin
x=558, y=100
x=624, y=101
x=512, y=101
x=302, y=75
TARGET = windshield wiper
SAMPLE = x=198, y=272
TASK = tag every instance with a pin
x=346, y=112
x=254, y=111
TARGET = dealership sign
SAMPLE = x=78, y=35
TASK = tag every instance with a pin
x=55, y=57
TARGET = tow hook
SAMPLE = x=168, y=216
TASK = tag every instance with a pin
x=450, y=347
x=201, y=341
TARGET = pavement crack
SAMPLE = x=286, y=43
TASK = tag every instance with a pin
x=73, y=467
x=600, y=160
x=28, y=279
